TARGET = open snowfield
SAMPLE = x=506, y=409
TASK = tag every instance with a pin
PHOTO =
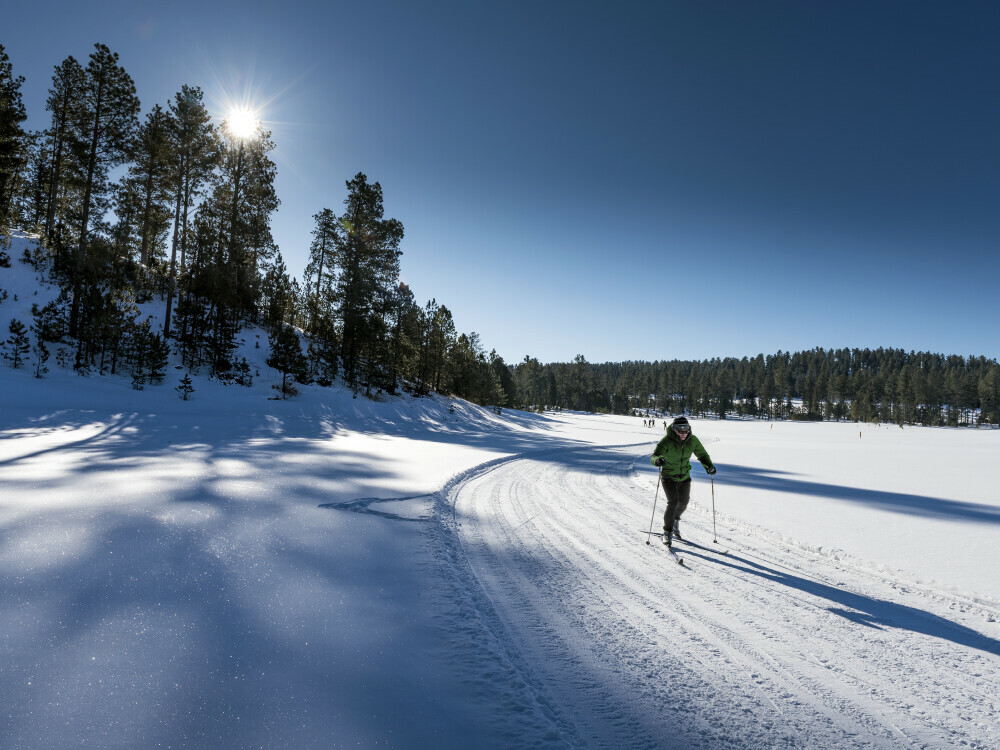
x=234, y=572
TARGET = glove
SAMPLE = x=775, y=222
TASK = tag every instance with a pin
x=659, y=461
x=711, y=470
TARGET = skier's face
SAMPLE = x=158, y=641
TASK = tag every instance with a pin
x=682, y=433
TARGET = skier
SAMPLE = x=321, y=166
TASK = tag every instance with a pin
x=672, y=455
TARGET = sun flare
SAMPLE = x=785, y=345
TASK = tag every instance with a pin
x=242, y=123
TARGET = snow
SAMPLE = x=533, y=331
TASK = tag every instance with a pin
x=236, y=572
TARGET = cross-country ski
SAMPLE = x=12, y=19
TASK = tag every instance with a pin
x=673, y=553
x=689, y=543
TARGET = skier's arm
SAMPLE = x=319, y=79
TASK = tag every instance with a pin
x=703, y=457
x=658, y=452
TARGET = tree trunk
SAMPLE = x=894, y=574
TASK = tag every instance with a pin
x=81, y=249
x=146, y=208
x=172, y=276
x=50, y=214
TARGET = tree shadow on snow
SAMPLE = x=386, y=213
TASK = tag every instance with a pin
x=896, y=502
x=203, y=566
x=861, y=609
x=132, y=435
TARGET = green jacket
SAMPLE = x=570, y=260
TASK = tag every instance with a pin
x=677, y=456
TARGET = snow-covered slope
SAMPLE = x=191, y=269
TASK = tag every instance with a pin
x=26, y=287
x=234, y=572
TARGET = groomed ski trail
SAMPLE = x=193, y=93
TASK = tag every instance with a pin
x=771, y=646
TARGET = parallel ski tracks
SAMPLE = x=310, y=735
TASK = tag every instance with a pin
x=878, y=685
x=634, y=651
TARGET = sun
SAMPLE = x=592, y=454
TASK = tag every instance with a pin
x=242, y=123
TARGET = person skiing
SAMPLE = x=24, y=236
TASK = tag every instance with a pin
x=672, y=455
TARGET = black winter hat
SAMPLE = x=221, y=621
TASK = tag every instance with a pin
x=679, y=421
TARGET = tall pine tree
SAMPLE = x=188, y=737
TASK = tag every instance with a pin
x=61, y=146
x=321, y=265
x=152, y=157
x=105, y=121
x=368, y=258
x=13, y=142
x=195, y=154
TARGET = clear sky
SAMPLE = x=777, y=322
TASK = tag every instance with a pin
x=619, y=180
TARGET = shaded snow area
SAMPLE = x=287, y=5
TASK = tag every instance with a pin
x=324, y=572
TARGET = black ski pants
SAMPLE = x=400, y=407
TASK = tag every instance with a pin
x=678, y=494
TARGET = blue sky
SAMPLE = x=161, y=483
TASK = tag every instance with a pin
x=618, y=180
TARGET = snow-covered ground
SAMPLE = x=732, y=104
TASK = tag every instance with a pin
x=235, y=572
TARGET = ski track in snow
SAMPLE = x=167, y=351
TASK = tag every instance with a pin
x=611, y=644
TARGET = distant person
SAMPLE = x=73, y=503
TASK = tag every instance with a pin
x=673, y=456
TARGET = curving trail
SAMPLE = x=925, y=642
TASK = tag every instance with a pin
x=771, y=646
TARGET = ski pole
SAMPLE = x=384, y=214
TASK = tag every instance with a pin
x=714, y=539
x=655, y=496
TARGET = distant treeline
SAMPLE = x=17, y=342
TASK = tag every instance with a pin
x=186, y=224
x=864, y=385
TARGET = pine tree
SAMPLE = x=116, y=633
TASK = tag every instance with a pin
x=232, y=246
x=989, y=394
x=233, y=242
x=30, y=192
x=722, y=391
x=62, y=102
x=506, y=380
x=41, y=353
x=368, y=260
x=195, y=154
x=532, y=382
x=185, y=389
x=149, y=175
x=437, y=336
x=18, y=344
x=245, y=193
x=471, y=375
x=13, y=144
x=41, y=328
x=105, y=121
x=323, y=351
x=405, y=334
x=321, y=264
x=278, y=302
x=286, y=357
x=157, y=356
